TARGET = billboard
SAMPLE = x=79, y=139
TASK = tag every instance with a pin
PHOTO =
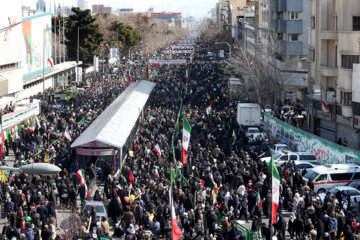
x=301, y=141
x=36, y=31
x=10, y=36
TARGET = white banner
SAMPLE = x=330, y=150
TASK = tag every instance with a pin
x=222, y=53
x=113, y=53
x=183, y=47
x=89, y=70
x=170, y=61
x=177, y=51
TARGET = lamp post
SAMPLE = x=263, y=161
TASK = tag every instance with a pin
x=217, y=43
x=78, y=50
x=44, y=40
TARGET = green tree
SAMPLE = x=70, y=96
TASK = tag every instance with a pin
x=124, y=34
x=90, y=36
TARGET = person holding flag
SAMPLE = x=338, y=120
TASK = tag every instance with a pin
x=275, y=192
x=185, y=140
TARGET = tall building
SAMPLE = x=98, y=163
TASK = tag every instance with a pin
x=334, y=52
x=82, y=4
x=40, y=5
x=286, y=23
x=100, y=8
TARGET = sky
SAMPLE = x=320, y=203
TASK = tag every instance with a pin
x=196, y=8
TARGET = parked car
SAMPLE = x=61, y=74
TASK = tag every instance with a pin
x=99, y=208
x=281, y=158
x=279, y=148
x=351, y=192
x=327, y=177
x=301, y=165
x=354, y=184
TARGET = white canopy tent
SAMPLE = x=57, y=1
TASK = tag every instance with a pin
x=113, y=127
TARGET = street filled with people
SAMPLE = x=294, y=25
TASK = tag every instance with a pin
x=221, y=182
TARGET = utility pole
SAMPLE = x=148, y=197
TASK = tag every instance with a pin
x=77, y=55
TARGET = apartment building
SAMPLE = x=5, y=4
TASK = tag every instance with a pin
x=334, y=52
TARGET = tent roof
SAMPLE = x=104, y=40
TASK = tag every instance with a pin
x=114, y=125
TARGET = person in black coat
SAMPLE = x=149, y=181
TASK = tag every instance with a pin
x=280, y=226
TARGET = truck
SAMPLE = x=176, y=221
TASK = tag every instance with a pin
x=234, y=88
x=248, y=114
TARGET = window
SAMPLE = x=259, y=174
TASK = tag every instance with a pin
x=356, y=23
x=293, y=37
x=312, y=54
x=322, y=178
x=293, y=157
x=347, y=61
x=307, y=157
x=285, y=157
x=313, y=21
x=341, y=176
x=293, y=15
x=346, y=98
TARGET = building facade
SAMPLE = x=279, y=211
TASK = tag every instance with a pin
x=25, y=48
x=334, y=53
x=82, y=4
x=100, y=8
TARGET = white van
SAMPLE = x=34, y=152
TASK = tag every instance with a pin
x=329, y=176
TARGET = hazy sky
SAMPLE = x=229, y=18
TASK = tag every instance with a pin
x=197, y=8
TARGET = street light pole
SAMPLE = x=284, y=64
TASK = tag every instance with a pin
x=44, y=63
x=77, y=55
x=217, y=43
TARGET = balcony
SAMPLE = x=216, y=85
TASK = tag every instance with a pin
x=290, y=48
x=328, y=71
x=288, y=26
x=286, y=6
x=328, y=35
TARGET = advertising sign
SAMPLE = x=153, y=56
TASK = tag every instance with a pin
x=10, y=35
x=171, y=61
x=36, y=31
x=301, y=141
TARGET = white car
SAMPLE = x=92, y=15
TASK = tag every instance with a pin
x=348, y=191
x=279, y=148
x=299, y=157
x=253, y=133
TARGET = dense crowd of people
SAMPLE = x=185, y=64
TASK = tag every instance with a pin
x=218, y=185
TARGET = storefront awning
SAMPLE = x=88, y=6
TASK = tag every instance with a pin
x=114, y=125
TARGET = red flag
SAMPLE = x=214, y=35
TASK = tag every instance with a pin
x=131, y=177
x=158, y=65
x=129, y=78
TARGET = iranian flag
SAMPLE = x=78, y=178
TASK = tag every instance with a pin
x=51, y=62
x=258, y=200
x=14, y=131
x=156, y=172
x=157, y=150
x=151, y=119
x=5, y=136
x=176, y=231
x=185, y=140
x=275, y=189
x=107, y=46
x=67, y=135
x=80, y=174
x=208, y=110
